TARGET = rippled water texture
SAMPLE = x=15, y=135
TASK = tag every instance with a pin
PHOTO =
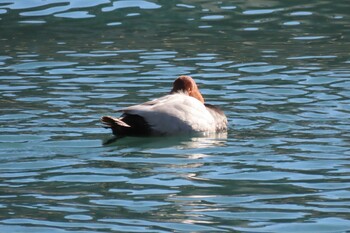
x=279, y=69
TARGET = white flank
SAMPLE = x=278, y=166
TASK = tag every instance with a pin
x=174, y=114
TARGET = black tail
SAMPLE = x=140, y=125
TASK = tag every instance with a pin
x=127, y=125
x=118, y=126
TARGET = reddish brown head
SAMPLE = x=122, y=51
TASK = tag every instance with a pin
x=188, y=85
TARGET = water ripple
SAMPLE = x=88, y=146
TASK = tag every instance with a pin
x=279, y=71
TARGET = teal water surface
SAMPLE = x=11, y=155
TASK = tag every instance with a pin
x=279, y=69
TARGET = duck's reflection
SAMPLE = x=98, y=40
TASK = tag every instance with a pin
x=177, y=142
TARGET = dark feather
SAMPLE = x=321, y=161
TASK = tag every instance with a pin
x=127, y=125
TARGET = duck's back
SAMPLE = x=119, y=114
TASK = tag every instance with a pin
x=174, y=114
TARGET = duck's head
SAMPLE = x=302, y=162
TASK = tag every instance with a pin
x=187, y=85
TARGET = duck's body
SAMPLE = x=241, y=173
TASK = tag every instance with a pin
x=179, y=112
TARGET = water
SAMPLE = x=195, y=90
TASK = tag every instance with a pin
x=280, y=70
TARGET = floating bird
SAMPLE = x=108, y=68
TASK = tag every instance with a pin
x=182, y=111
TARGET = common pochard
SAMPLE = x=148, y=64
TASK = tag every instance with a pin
x=182, y=111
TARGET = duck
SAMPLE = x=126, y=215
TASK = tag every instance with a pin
x=182, y=111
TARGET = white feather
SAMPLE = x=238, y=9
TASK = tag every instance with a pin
x=175, y=113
